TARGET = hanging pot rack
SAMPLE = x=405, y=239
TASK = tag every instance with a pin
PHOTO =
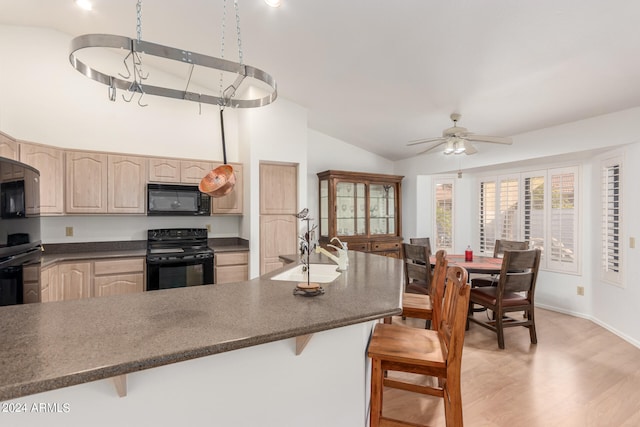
x=192, y=58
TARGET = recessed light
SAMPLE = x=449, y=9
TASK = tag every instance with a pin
x=84, y=4
x=273, y=3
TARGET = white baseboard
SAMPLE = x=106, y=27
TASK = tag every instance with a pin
x=598, y=322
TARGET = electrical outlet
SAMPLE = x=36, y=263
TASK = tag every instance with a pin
x=581, y=291
x=632, y=242
x=68, y=231
x=209, y=228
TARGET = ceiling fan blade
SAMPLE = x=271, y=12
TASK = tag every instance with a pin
x=469, y=148
x=431, y=148
x=424, y=140
x=485, y=138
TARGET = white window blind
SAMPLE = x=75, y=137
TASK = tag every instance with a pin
x=611, y=221
x=538, y=206
x=562, y=242
x=533, y=213
x=509, y=197
x=487, y=211
x=444, y=214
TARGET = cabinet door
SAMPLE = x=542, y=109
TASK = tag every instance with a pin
x=31, y=283
x=164, y=170
x=278, y=189
x=231, y=267
x=126, y=184
x=50, y=289
x=50, y=162
x=86, y=188
x=118, y=284
x=277, y=237
x=232, y=202
x=382, y=209
x=350, y=209
x=193, y=172
x=8, y=147
x=75, y=280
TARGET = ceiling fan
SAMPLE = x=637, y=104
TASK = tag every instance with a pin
x=457, y=139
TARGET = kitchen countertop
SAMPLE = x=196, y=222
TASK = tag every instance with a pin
x=104, y=251
x=59, y=344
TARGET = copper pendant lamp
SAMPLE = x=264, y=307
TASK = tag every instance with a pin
x=220, y=181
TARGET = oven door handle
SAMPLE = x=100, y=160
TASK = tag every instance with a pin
x=185, y=260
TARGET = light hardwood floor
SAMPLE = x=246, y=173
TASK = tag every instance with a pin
x=579, y=374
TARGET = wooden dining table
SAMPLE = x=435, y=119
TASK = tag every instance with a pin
x=479, y=265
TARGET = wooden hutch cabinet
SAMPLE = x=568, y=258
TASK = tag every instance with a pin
x=362, y=209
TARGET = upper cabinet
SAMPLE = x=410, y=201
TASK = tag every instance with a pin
x=8, y=147
x=232, y=202
x=192, y=172
x=361, y=209
x=126, y=184
x=101, y=183
x=278, y=189
x=164, y=170
x=50, y=162
x=86, y=182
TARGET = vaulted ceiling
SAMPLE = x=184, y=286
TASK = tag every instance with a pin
x=379, y=74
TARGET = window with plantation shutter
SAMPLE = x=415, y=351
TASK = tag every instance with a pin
x=562, y=241
x=540, y=207
x=612, y=221
x=533, y=220
x=508, y=220
x=487, y=210
x=443, y=215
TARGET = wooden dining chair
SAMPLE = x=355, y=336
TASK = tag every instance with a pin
x=515, y=291
x=435, y=353
x=421, y=241
x=417, y=269
x=428, y=307
x=498, y=252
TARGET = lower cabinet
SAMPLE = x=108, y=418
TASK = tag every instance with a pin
x=231, y=267
x=118, y=277
x=66, y=281
x=31, y=284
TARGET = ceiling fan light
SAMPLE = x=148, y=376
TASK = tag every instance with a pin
x=449, y=148
x=459, y=147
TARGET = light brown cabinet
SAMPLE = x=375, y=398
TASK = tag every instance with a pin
x=31, y=284
x=101, y=183
x=126, y=184
x=8, y=147
x=118, y=276
x=232, y=202
x=362, y=209
x=50, y=284
x=86, y=182
x=192, y=172
x=65, y=281
x=164, y=170
x=50, y=162
x=278, y=189
x=231, y=267
x=74, y=280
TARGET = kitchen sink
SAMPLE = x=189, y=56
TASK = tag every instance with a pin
x=320, y=273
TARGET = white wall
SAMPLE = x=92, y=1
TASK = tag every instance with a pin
x=325, y=152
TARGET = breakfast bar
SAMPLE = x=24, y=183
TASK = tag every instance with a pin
x=226, y=354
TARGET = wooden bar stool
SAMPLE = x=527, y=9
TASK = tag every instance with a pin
x=436, y=353
x=428, y=307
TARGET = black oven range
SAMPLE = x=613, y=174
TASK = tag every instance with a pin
x=178, y=257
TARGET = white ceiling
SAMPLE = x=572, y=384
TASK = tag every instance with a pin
x=378, y=74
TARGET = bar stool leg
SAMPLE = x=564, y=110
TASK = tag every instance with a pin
x=376, y=393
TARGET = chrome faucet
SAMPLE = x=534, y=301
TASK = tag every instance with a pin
x=343, y=256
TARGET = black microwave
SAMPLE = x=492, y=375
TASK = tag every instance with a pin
x=172, y=199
